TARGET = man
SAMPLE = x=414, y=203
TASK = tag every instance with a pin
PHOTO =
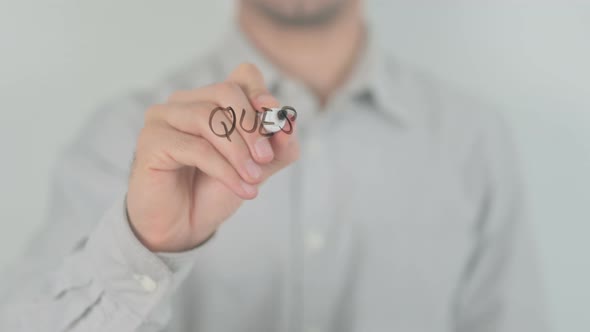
x=394, y=206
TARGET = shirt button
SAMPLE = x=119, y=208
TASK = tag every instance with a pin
x=148, y=284
x=314, y=241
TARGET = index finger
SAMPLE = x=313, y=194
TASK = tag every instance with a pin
x=251, y=80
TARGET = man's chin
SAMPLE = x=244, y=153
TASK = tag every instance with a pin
x=299, y=16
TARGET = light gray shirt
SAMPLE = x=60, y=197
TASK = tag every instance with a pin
x=404, y=213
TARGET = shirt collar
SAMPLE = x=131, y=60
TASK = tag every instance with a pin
x=376, y=75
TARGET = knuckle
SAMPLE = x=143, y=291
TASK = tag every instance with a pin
x=180, y=144
x=144, y=140
x=178, y=95
x=248, y=68
x=257, y=74
x=151, y=131
x=228, y=171
x=202, y=147
x=230, y=88
x=154, y=112
x=198, y=114
x=194, y=107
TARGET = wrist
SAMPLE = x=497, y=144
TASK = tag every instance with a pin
x=164, y=241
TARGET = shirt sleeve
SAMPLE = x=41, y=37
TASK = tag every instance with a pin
x=85, y=270
x=501, y=288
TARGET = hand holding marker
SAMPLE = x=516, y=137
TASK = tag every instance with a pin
x=186, y=180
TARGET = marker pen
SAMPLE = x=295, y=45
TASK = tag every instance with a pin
x=274, y=119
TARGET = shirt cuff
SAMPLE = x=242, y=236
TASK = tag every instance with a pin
x=126, y=269
x=178, y=261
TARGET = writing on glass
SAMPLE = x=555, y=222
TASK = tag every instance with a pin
x=227, y=120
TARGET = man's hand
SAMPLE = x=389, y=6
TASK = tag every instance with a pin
x=186, y=181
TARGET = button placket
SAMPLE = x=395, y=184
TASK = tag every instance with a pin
x=316, y=214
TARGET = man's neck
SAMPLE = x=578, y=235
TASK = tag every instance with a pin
x=320, y=56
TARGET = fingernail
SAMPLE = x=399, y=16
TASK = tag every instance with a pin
x=248, y=188
x=266, y=99
x=253, y=169
x=263, y=148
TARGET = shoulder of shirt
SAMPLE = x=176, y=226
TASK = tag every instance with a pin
x=439, y=107
x=467, y=132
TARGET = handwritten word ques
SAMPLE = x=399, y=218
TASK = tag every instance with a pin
x=227, y=120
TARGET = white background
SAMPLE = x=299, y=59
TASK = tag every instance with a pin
x=60, y=59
